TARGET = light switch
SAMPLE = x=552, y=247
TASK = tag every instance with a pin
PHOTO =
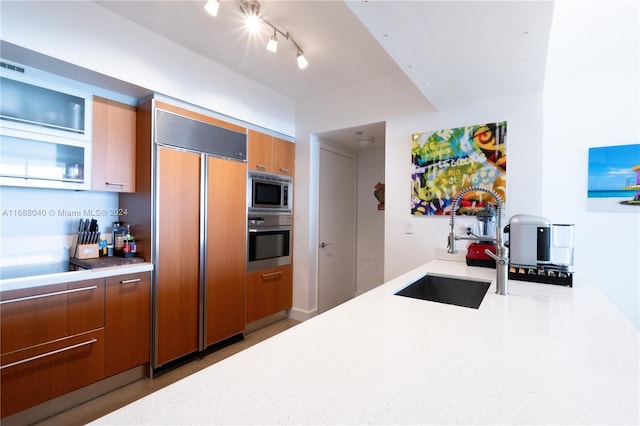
x=408, y=227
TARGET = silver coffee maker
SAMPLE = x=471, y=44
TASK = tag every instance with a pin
x=540, y=251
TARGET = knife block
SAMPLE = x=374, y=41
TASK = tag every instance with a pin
x=83, y=251
x=87, y=251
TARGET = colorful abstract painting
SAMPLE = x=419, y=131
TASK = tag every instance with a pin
x=447, y=161
x=614, y=177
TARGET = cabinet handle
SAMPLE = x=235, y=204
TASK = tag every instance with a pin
x=284, y=170
x=57, y=351
x=261, y=166
x=133, y=280
x=272, y=274
x=115, y=183
x=56, y=293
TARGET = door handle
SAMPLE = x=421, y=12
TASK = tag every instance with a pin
x=323, y=245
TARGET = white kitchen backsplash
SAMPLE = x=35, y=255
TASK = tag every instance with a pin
x=36, y=225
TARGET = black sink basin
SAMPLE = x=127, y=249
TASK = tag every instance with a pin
x=452, y=291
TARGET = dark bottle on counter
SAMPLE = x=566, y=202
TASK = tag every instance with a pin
x=126, y=247
x=118, y=238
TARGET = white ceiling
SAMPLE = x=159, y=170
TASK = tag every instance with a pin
x=453, y=51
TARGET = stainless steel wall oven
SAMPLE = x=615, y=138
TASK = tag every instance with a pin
x=268, y=241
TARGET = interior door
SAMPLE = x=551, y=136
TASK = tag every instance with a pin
x=226, y=268
x=178, y=262
x=337, y=229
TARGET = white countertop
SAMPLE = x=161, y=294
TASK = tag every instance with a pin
x=544, y=354
x=72, y=276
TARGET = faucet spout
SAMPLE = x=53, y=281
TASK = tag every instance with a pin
x=501, y=258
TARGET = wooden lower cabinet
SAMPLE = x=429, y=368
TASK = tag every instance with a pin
x=269, y=291
x=58, y=338
x=36, y=315
x=35, y=375
x=127, y=316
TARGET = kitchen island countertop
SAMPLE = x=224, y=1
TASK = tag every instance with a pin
x=544, y=354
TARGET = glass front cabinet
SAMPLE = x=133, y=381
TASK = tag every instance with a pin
x=45, y=134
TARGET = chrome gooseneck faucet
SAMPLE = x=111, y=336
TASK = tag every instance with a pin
x=500, y=255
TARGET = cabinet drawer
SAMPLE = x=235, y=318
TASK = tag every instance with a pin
x=38, y=315
x=269, y=291
x=37, y=374
x=128, y=316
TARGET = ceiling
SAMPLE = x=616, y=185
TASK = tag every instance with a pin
x=453, y=51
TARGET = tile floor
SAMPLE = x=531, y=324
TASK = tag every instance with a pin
x=104, y=404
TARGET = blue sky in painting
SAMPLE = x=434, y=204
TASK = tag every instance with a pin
x=610, y=167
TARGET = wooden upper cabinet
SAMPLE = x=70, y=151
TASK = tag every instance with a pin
x=284, y=157
x=114, y=147
x=270, y=154
x=260, y=152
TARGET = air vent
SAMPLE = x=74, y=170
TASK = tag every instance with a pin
x=182, y=132
x=11, y=67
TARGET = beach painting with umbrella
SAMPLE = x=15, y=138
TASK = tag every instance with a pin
x=614, y=178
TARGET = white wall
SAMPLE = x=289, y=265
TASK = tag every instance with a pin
x=370, y=221
x=592, y=99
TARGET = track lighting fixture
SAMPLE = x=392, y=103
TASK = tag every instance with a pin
x=302, y=61
x=212, y=7
x=272, y=45
x=251, y=9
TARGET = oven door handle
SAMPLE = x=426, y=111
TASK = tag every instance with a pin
x=270, y=229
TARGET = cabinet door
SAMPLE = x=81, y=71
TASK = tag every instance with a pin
x=269, y=291
x=114, y=137
x=37, y=374
x=226, y=277
x=33, y=316
x=178, y=260
x=260, y=152
x=284, y=156
x=52, y=342
x=127, y=338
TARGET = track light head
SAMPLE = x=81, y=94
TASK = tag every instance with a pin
x=272, y=45
x=302, y=61
x=212, y=7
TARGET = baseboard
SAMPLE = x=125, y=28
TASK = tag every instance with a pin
x=264, y=322
x=301, y=314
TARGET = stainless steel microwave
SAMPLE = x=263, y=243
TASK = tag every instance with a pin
x=269, y=193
